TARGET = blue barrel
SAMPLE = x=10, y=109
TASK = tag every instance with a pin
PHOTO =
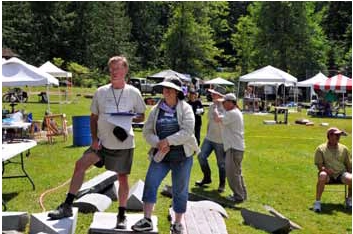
x=81, y=130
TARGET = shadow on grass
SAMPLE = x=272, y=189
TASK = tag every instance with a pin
x=198, y=194
x=329, y=208
x=9, y=196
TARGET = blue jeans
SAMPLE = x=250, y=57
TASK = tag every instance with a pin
x=180, y=182
x=206, y=150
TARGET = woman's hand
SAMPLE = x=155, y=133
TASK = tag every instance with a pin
x=163, y=146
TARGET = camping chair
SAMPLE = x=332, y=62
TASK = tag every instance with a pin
x=55, y=125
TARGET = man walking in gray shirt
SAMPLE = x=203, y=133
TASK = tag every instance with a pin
x=234, y=145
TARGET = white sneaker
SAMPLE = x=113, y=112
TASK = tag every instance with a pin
x=349, y=203
x=317, y=206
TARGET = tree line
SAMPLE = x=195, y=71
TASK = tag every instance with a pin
x=197, y=38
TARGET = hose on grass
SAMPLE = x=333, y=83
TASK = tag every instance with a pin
x=41, y=198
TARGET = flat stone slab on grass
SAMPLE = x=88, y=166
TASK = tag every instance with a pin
x=40, y=223
x=93, y=202
x=98, y=183
x=104, y=223
x=14, y=221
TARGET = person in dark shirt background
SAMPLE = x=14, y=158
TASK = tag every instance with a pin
x=197, y=107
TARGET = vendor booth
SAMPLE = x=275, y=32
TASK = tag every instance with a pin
x=269, y=76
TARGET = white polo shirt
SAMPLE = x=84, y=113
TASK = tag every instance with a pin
x=128, y=99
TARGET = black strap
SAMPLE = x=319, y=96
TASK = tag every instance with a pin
x=117, y=103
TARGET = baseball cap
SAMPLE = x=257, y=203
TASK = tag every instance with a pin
x=335, y=131
x=228, y=97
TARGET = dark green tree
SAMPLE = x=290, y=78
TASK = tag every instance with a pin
x=287, y=35
x=188, y=45
x=149, y=23
x=337, y=25
x=17, y=29
x=110, y=33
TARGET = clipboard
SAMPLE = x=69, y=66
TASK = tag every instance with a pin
x=122, y=114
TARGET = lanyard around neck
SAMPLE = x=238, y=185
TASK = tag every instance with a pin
x=117, y=102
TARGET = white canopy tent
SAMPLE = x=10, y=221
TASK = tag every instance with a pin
x=219, y=81
x=53, y=70
x=309, y=83
x=165, y=73
x=16, y=72
x=269, y=75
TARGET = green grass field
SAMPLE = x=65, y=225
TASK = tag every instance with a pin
x=278, y=171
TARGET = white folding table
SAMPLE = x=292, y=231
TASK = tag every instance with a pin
x=10, y=150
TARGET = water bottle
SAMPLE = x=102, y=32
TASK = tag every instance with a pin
x=159, y=156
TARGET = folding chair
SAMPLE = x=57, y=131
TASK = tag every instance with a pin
x=55, y=125
x=336, y=184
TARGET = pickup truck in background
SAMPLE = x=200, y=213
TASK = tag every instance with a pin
x=144, y=85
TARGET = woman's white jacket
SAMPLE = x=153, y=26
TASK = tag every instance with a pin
x=185, y=136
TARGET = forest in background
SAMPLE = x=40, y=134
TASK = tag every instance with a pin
x=198, y=38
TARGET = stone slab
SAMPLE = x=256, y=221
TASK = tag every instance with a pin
x=104, y=223
x=14, y=221
x=98, y=183
x=112, y=191
x=41, y=223
x=265, y=222
x=92, y=202
x=134, y=201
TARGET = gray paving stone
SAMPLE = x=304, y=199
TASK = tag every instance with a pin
x=134, y=201
x=40, y=223
x=104, y=223
x=92, y=202
x=98, y=183
x=14, y=221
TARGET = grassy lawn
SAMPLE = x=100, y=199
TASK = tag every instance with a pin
x=278, y=171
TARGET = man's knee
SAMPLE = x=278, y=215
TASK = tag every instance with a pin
x=86, y=161
x=347, y=178
x=323, y=176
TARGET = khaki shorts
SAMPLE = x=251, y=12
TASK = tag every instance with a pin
x=119, y=160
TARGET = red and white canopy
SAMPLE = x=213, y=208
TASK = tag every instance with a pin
x=335, y=83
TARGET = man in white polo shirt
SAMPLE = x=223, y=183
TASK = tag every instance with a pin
x=112, y=146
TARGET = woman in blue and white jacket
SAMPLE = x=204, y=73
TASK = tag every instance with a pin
x=169, y=131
